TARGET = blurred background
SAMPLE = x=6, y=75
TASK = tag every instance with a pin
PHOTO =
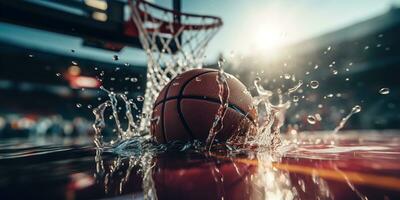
x=54, y=56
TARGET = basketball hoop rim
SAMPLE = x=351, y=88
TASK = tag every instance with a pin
x=216, y=24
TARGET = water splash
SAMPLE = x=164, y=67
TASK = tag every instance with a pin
x=132, y=129
x=271, y=116
x=354, y=110
x=136, y=148
x=124, y=164
x=223, y=96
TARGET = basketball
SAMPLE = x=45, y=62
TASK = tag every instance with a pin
x=186, y=108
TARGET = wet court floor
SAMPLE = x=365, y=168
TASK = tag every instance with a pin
x=360, y=165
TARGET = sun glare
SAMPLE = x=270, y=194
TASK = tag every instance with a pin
x=268, y=37
x=268, y=32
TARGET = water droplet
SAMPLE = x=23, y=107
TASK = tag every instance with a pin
x=356, y=109
x=295, y=99
x=31, y=55
x=115, y=57
x=112, y=78
x=316, y=67
x=334, y=72
x=329, y=48
x=320, y=106
x=347, y=69
x=314, y=84
x=384, y=91
x=139, y=98
x=307, y=73
x=198, y=79
x=330, y=95
x=89, y=106
x=300, y=91
x=350, y=64
x=78, y=105
x=134, y=80
x=366, y=47
x=96, y=68
x=347, y=79
x=74, y=63
x=175, y=83
x=287, y=76
x=311, y=119
x=126, y=64
x=117, y=68
x=58, y=74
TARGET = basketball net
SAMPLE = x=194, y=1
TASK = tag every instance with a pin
x=174, y=42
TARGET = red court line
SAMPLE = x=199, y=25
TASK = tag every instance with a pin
x=331, y=174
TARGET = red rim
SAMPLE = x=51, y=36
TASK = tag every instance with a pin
x=178, y=25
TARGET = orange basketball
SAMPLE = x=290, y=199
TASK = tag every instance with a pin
x=186, y=107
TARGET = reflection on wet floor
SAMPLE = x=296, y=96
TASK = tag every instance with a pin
x=356, y=167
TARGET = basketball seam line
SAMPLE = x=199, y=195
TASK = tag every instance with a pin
x=181, y=90
x=182, y=118
x=208, y=99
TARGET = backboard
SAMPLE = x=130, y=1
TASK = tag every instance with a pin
x=100, y=23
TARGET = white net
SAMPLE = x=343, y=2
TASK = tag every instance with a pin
x=174, y=42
